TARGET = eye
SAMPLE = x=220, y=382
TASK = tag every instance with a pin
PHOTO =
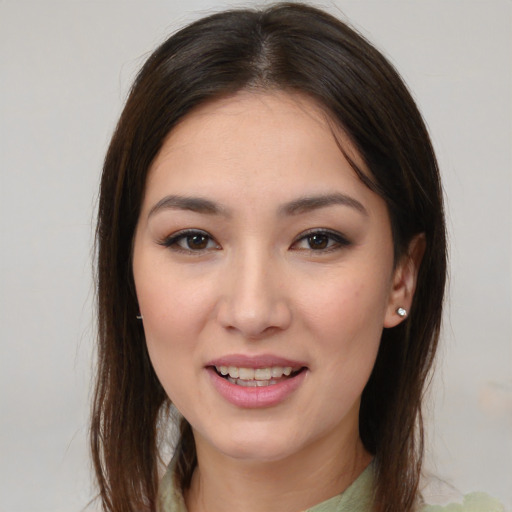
x=190, y=240
x=320, y=240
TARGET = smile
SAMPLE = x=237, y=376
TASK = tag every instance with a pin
x=257, y=377
x=254, y=381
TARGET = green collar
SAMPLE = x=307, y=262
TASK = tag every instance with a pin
x=356, y=498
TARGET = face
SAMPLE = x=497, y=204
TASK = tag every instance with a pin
x=264, y=273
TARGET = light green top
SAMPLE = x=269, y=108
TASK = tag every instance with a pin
x=474, y=502
x=356, y=498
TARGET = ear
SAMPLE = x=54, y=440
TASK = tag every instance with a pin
x=405, y=277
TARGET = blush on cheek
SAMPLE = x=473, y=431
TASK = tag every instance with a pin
x=165, y=360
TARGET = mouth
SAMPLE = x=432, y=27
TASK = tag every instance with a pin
x=257, y=381
x=257, y=377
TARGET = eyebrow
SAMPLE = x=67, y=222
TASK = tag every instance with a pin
x=309, y=203
x=296, y=207
x=194, y=204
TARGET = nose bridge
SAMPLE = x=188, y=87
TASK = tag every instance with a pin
x=255, y=301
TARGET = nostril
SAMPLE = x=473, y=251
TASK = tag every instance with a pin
x=254, y=319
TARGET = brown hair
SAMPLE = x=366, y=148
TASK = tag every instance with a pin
x=291, y=47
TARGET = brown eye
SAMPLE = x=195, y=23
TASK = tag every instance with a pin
x=197, y=242
x=318, y=241
x=190, y=241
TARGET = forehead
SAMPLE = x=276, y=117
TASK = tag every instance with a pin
x=248, y=117
x=270, y=141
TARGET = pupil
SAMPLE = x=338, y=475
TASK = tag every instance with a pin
x=197, y=241
x=318, y=241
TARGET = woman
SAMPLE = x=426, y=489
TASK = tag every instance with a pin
x=271, y=260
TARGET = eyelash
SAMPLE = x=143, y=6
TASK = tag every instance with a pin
x=173, y=241
x=335, y=241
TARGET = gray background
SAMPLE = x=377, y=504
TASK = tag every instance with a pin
x=65, y=67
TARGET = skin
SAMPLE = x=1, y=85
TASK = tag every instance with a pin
x=252, y=284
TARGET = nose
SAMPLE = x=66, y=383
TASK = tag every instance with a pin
x=253, y=300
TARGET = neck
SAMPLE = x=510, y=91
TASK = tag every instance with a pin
x=294, y=483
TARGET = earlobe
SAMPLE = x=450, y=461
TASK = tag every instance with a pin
x=405, y=278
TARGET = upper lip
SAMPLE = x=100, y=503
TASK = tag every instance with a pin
x=255, y=361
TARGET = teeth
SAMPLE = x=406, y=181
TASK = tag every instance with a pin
x=245, y=373
x=263, y=374
x=252, y=383
x=277, y=371
x=252, y=374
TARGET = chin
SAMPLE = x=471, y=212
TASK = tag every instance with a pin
x=257, y=445
x=258, y=452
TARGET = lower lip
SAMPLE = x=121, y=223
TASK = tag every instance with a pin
x=256, y=397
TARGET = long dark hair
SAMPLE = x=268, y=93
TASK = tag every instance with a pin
x=292, y=47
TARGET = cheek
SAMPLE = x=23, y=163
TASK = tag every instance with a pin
x=346, y=308
x=169, y=312
x=348, y=334
x=174, y=313
x=346, y=319
x=172, y=300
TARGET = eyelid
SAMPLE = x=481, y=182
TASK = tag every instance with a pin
x=171, y=241
x=340, y=240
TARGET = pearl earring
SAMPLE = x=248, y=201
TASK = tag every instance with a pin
x=401, y=312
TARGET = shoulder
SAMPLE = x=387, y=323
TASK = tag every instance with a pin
x=474, y=502
x=439, y=495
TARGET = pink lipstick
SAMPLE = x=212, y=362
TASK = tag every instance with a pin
x=255, y=381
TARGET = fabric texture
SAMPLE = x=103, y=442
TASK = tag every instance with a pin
x=474, y=502
x=356, y=498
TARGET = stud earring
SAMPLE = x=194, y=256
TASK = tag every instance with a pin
x=401, y=312
x=139, y=317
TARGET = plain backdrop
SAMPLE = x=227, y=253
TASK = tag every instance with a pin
x=65, y=68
